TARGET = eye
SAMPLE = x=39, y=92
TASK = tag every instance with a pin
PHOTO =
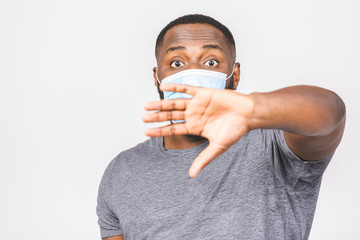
x=177, y=64
x=211, y=63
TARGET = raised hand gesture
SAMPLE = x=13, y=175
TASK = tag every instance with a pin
x=221, y=116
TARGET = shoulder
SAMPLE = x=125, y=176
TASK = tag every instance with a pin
x=120, y=165
x=140, y=150
x=261, y=139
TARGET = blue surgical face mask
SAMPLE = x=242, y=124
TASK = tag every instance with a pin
x=196, y=78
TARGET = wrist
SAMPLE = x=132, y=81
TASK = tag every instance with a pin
x=257, y=117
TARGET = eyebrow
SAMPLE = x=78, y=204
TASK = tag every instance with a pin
x=212, y=46
x=171, y=49
x=207, y=46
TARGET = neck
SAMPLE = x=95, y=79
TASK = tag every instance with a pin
x=182, y=142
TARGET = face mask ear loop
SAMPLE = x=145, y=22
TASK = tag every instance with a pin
x=157, y=77
x=232, y=72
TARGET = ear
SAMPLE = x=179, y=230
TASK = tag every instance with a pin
x=161, y=94
x=155, y=76
x=236, y=75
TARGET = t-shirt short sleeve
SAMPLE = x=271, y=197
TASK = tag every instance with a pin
x=107, y=220
x=295, y=173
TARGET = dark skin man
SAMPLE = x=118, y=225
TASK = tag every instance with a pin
x=312, y=118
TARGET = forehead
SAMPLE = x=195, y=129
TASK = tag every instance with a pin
x=192, y=35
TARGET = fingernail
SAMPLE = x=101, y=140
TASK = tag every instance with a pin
x=192, y=174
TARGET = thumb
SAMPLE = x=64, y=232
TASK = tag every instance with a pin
x=212, y=151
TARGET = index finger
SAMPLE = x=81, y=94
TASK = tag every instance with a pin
x=179, y=88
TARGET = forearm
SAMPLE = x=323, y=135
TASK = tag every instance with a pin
x=302, y=110
x=313, y=118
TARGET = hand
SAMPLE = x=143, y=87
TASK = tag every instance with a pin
x=221, y=116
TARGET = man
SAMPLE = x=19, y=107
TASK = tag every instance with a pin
x=259, y=158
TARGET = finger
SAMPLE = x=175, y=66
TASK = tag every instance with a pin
x=168, y=130
x=163, y=116
x=205, y=157
x=179, y=88
x=171, y=104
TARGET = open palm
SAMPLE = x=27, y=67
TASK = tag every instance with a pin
x=221, y=116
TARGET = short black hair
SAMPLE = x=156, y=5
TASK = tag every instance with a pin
x=191, y=19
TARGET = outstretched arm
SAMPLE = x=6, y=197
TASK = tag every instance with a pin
x=313, y=118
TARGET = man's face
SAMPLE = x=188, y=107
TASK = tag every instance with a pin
x=196, y=46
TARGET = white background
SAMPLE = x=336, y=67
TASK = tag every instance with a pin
x=74, y=76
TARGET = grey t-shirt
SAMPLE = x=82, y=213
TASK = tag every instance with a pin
x=258, y=189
